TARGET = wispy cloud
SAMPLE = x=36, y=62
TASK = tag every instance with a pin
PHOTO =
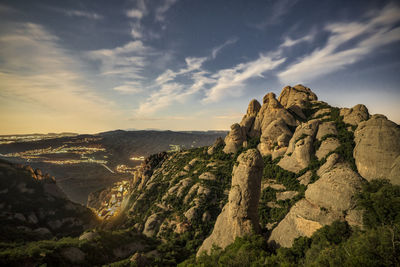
x=40, y=85
x=231, y=81
x=161, y=10
x=289, y=42
x=217, y=49
x=132, y=87
x=192, y=64
x=85, y=14
x=215, y=86
x=125, y=64
x=377, y=30
x=160, y=99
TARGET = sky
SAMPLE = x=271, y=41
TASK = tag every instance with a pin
x=93, y=66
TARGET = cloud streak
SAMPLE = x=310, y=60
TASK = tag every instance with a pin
x=377, y=31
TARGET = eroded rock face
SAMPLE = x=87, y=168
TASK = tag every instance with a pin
x=275, y=136
x=330, y=198
x=377, y=149
x=269, y=112
x=239, y=216
x=326, y=128
x=234, y=140
x=355, y=115
x=335, y=189
x=248, y=119
x=298, y=155
x=328, y=145
x=296, y=96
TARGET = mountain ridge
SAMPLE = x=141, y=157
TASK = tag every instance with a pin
x=295, y=176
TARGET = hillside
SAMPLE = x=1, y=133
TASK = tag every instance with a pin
x=296, y=182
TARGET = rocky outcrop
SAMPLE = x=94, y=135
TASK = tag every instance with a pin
x=248, y=119
x=239, y=216
x=152, y=224
x=298, y=96
x=218, y=143
x=274, y=137
x=298, y=155
x=354, y=115
x=234, y=140
x=326, y=200
x=143, y=174
x=269, y=112
x=237, y=137
x=377, y=149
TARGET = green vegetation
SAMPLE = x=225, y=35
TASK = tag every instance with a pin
x=51, y=252
x=274, y=213
x=345, y=137
x=335, y=245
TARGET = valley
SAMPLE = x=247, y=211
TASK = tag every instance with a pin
x=87, y=163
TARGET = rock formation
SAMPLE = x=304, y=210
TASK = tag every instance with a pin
x=298, y=95
x=298, y=154
x=239, y=216
x=234, y=140
x=239, y=132
x=326, y=200
x=355, y=115
x=377, y=149
x=219, y=142
x=248, y=119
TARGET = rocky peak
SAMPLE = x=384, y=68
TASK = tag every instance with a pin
x=253, y=108
x=270, y=101
x=239, y=217
x=234, y=140
x=355, y=115
x=297, y=95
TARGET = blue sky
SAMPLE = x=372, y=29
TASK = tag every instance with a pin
x=91, y=66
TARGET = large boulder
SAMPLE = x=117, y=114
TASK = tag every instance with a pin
x=234, y=140
x=377, y=149
x=330, y=198
x=239, y=216
x=355, y=115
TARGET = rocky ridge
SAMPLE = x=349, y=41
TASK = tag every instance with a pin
x=290, y=167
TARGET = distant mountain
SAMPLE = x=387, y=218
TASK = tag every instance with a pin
x=85, y=163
